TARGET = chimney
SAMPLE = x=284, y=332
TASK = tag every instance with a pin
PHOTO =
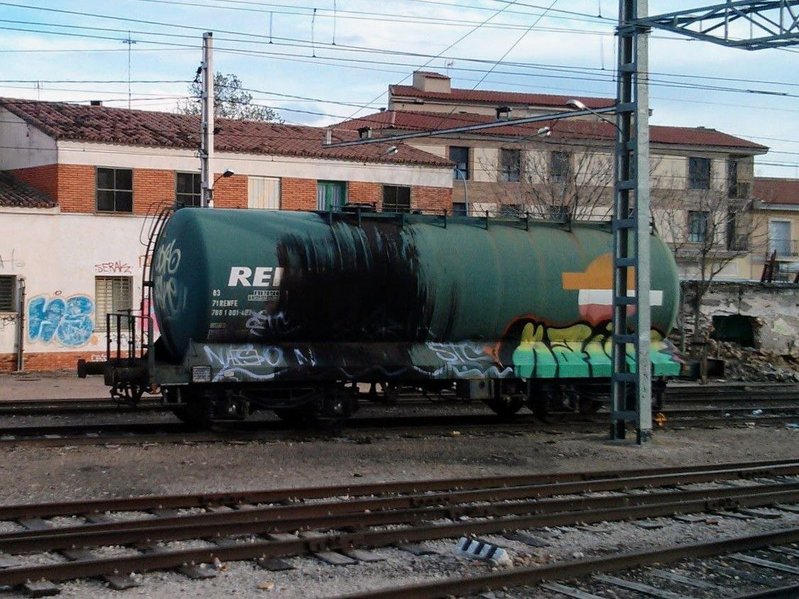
x=432, y=82
x=96, y=103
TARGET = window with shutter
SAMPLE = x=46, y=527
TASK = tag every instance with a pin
x=111, y=294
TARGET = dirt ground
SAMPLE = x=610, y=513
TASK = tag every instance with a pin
x=88, y=472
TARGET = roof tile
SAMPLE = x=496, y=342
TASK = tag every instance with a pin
x=776, y=191
x=16, y=194
x=103, y=124
x=402, y=120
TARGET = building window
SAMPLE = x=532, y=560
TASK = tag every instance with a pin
x=263, y=193
x=698, y=173
x=111, y=294
x=114, y=190
x=330, y=195
x=697, y=226
x=737, y=240
x=779, y=238
x=187, y=189
x=396, y=198
x=8, y=284
x=559, y=167
x=732, y=178
x=510, y=165
x=460, y=156
x=459, y=209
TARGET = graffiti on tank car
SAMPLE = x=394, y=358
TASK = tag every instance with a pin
x=581, y=350
x=263, y=323
x=468, y=360
x=242, y=356
x=168, y=293
x=68, y=321
x=115, y=267
x=261, y=276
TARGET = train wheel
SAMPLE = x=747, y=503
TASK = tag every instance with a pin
x=194, y=415
x=193, y=409
x=540, y=401
x=302, y=416
x=505, y=405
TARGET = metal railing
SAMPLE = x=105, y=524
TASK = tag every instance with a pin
x=785, y=248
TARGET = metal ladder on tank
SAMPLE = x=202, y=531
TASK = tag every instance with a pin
x=146, y=308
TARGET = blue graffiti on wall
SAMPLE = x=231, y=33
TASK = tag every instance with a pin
x=68, y=321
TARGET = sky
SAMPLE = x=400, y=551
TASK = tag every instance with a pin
x=318, y=62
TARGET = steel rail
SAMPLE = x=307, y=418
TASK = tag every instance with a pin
x=579, y=568
x=395, y=511
x=565, y=482
x=331, y=542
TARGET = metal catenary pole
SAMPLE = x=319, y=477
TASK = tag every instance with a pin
x=631, y=382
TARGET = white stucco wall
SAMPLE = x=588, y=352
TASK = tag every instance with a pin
x=22, y=145
x=59, y=256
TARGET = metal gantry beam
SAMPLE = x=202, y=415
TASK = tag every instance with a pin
x=746, y=24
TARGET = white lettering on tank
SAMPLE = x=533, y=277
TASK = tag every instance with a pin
x=263, y=276
x=239, y=274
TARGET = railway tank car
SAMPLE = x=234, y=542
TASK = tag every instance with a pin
x=289, y=311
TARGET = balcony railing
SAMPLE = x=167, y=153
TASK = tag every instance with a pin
x=785, y=248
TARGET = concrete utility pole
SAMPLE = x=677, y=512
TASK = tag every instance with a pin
x=207, y=124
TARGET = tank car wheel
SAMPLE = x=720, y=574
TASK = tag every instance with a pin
x=505, y=405
x=540, y=401
x=385, y=393
x=302, y=416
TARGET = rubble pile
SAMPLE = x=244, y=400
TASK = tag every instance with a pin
x=754, y=365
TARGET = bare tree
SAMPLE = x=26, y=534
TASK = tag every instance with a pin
x=231, y=100
x=707, y=230
x=560, y=180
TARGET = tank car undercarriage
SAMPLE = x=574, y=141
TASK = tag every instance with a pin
x=304, y=403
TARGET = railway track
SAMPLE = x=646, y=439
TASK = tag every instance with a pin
x=88, y=421
x=57, y=542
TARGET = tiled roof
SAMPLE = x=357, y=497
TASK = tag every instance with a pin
x=16, y=194
x=776, y=191
x=495, y=98
x=103, y=124
x=402, y=120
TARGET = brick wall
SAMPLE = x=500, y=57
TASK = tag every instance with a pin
x=73, y=186
x=297, y=194
x=431, y=199
x=231, y=192
x=44, y=178
x=43, y=361
x=364, y=193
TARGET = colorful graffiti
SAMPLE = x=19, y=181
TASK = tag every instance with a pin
x=68, y=321
x=595, y=290
x=579, y=351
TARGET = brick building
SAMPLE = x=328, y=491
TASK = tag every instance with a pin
x=79, y=186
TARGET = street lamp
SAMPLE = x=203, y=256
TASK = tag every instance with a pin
x=462, y=176
x=575, y=103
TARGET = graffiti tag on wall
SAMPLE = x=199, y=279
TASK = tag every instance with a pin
x=10, y=261
x=112, y=268
x=65, y=320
